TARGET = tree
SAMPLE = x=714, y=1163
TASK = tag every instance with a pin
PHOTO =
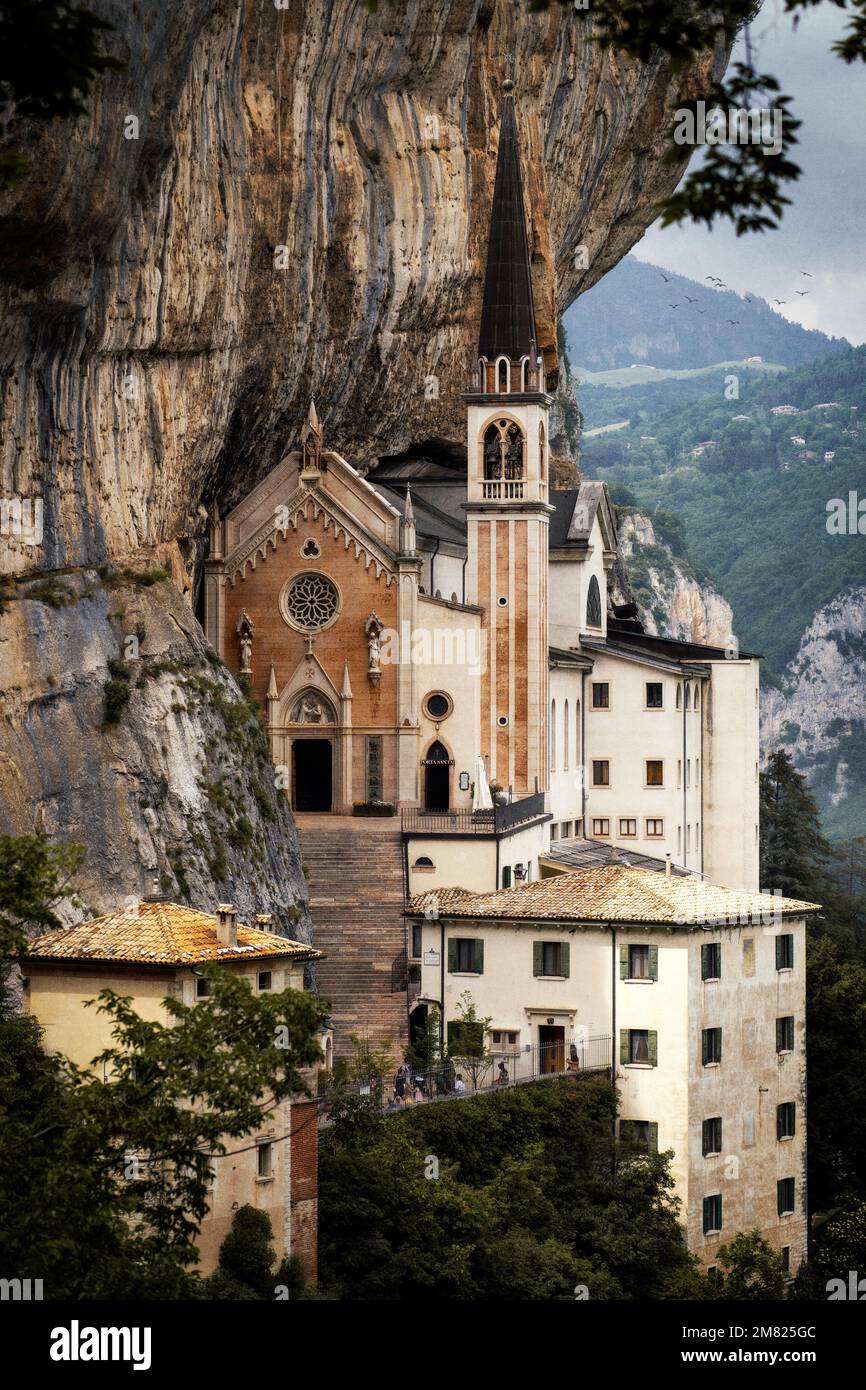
x=246, y=1258
x=35, y=878
x=793, y=850
x=749, y=1269
x=836, y=1081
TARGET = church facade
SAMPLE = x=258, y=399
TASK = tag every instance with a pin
x=414, y=629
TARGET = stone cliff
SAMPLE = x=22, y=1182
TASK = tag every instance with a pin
x=673, y=602
x=269, y=204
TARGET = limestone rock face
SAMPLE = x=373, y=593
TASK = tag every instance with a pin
x=672, y=601
x=271, y=203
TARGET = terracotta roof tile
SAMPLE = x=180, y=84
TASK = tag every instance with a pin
x=162, y=934
x=612, y=893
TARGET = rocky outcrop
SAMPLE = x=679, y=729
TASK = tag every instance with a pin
x=123, y=731
x=672, y=601
x=270, y=203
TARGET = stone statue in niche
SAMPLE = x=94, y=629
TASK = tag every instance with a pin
x=245, y=630
x=310, y=709
x=373, y=628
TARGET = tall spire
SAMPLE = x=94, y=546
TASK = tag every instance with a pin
x=508, y=315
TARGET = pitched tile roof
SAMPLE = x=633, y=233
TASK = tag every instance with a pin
x=158, y=933
x=612, y=893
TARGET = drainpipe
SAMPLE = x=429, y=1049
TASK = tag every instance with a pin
x=613, y=980
x=703, y=691
x=432, y=568
x=442, y=986
x=685, y=787
x=583, y=752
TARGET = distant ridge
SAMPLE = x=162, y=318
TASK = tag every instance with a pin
x=627, y=318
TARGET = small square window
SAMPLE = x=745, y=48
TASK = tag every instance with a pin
x=655, y=772
x=202, y=989
x=627, y=828
x=654, y=695
x=466, y=956
x=601, y=695
x=600, y=772
x=265, y=1160
x=655, y=828
x=265, y=981
x=638, y=1045
x=551, y=958
x=601, y=827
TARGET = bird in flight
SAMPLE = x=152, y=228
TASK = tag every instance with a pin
x=702, y=311
x=749, y=301
x=805, y=272
x=675, y=306
x=709, y=277
x=694, y=301
x=780, y=301
x=802, y=292
x=733, y=320
x=666, y=278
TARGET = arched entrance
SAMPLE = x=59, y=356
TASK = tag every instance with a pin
x=437, y=778
x=312, y=752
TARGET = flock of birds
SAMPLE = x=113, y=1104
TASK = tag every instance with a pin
x=720, y=285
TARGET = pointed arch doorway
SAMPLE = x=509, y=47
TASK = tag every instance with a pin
x=437, y=778
x=312, y=723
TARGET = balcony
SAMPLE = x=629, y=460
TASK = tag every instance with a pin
x=416, y=821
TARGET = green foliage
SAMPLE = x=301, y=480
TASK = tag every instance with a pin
x=530, y=1200
x=841, y=1241
x=246, y=1258
x=793, y=851
x=749, y=1269
x=35, y=877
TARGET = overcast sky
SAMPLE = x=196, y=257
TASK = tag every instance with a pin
x=824, y=231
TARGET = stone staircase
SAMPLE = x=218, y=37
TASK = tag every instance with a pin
x=355, y=878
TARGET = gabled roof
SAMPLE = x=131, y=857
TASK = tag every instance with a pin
x=507, y=315
x=157, y=933
x=612, y=894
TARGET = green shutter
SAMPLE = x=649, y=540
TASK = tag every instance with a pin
x=506, y=876
x=706, y=1214
x=452, y=957
x=705, y=962
x=565, y=959
x=780, y=952
x=453, y=1034
x=654, y=962
x=653, y=1046
x=537, y=957
x=478, y=958
x=653, y=1137
x=718, y=1044
x=779, y=1126
x=623, y=1044
x=705, y=1046
x=623, y=962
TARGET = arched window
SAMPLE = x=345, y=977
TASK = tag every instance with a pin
x=697, y=697
x=578, y=750
x=502, y=374
x=679, y=697
x=503, y=451
x=566, y=735
x=688, y=695
x=542, y=461
x=593, y=604
x=553, y=735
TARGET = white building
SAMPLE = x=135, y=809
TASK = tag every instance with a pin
x=693, y=997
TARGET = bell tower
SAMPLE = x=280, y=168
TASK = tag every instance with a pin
x=507, y=488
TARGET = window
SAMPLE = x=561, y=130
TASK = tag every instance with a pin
x=601, y=826
x=655, y=772
x=749, y=956
x=688, y=690
x=600, y=772
x=688, y=838
x=202, y=989
x=785, y=1034
x=566, y=731
x=644, y=1134
x=264, y=981
x=374, y=767
x=550, y=958
x=565, y=830
x=465, y=955
x=439, y=705
x=786, y=1259
x=639, y=962
x=655, y=828
x=711, y=1046
x=264, y=1160
x=593, y=604
x=601, y=694
x=553, y=735
x=504, y=1038
x=679, y=840
x=627, y=828
x=786, y=1120
x=506, y=876
x=697, y=772
x=785, y=1196
x=711, y=1137
x=638, y=1047
x=417, y=940
x=503, y=450
x=424, y=864
x=713, y=1214
x=310, y=602
x=785, y=952
x=688, y=772
x=711, y=960
x=654, y=695
x=679, y=697
x=697, y=697
x=679, y=773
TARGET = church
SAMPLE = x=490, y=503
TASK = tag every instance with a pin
x=439, y=646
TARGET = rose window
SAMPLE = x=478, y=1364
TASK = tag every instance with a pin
x=310, y=602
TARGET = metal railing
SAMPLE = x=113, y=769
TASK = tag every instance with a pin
x=416, y=821
x=468, y=1076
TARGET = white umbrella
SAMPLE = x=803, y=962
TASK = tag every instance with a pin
x=481, y=798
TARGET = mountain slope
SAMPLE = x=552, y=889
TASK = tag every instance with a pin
x=628, y=318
